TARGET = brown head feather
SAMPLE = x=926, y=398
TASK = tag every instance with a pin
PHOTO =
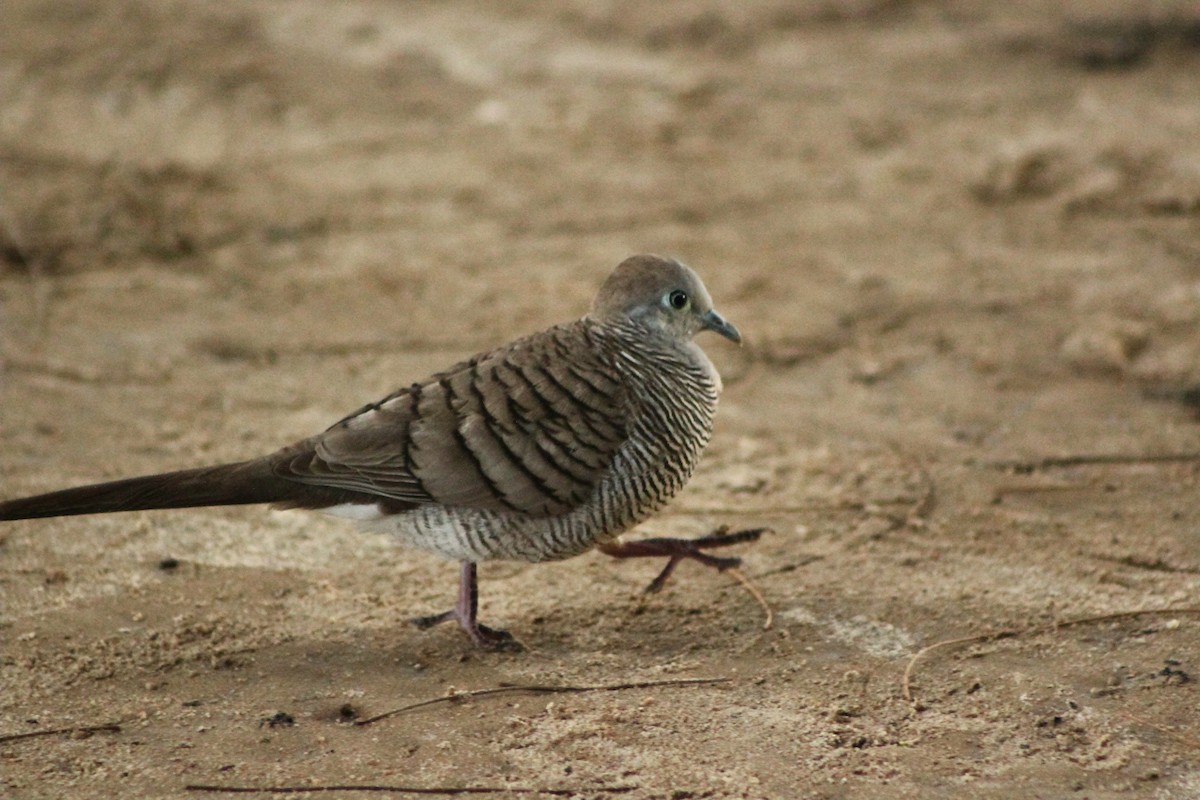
x=647, y=288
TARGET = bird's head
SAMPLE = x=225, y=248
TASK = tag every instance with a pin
x=663, y=295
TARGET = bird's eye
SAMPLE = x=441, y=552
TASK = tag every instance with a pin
x=678, y=300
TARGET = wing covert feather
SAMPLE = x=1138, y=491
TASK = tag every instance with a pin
x=530, y=427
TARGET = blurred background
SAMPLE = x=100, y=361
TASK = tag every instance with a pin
x=959, y=237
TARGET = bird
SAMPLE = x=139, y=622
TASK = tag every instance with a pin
x=541, y=449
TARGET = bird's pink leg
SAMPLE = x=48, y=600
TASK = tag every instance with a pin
x=465, y=613
x=676, y=550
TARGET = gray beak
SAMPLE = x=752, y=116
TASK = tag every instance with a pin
x=715, y=322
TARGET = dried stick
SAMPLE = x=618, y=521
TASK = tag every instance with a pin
x=107, y=727
x=1182, y=738
x=782, y=511
x=756, y=594
x=924, y=505
x=1090, y=459
x=449, y=791
x=1008, y=633
x=1006, y=489
x=539, y=689
x=920, y=510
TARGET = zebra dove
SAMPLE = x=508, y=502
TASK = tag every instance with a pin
x=538, y=450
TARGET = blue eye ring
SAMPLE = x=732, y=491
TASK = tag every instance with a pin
x=678, y=299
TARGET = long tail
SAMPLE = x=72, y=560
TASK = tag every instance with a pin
x=223, y=485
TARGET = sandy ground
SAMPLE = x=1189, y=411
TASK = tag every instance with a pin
x=961, y=238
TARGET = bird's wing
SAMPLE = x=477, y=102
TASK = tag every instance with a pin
x=530, y=427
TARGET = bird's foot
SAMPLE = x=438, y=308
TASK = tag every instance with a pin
x=464, y=613
x=676, y=550
x=483, y=636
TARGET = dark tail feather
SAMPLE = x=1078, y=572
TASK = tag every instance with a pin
x=224, y=485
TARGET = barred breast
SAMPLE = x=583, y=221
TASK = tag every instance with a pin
x=568, y=439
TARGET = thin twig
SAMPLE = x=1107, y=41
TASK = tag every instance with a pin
x=1008, y=633
x=1006, y=489
x=449, y=791
x=756, y=594
x=108, y=727
x=783, y=569
x=539, y=689
x=34, y=264
x=16, y=241
x=1183, y=738
x=1090, y=459
x=779, y=511
x=920, y=510
x=906, y=681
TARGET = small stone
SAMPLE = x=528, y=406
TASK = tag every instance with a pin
x=1104, y=345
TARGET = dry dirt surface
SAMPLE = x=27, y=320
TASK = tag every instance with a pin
x=962, y=240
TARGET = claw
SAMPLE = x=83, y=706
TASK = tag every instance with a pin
x=676, y=550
